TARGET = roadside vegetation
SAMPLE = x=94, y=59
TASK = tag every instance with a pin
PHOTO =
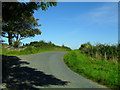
x=100, y=68
x=32, y=48
x=101, y=51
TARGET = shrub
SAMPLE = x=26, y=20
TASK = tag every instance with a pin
x=101, y=51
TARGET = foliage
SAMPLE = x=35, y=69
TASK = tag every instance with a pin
x=43, y=44
x=16, y=19
x=32, y=48
x=12, y=11
x=101, y=71
x=26, y=28
x=101, y=51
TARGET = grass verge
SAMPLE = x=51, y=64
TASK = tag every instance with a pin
x=29, y=50
x=101, y=71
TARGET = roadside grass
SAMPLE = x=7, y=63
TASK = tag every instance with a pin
x=101, y=71
x=29, y=50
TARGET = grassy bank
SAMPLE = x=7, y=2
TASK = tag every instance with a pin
x=101, y=71
x=32, y=48
x=29, y=50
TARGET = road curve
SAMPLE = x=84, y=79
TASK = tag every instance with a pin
x=51, y=63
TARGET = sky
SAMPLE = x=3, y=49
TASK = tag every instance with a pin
x=75, y=23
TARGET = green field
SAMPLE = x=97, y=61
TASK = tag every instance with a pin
x=101, y=71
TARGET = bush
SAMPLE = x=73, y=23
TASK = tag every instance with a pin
x=101, y=51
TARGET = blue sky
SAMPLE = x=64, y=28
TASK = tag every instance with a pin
x=75, y=23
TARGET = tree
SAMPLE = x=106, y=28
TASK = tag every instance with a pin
x=13, y=13
x=26, y=28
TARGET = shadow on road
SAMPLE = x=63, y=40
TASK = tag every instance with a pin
x=17, y=76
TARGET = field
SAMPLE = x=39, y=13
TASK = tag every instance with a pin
x=101, y=71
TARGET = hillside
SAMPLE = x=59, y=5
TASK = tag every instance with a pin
x=32, y=48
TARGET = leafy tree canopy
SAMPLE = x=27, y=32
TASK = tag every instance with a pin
x=18, y=21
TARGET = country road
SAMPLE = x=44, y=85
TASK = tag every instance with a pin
x=57, y=74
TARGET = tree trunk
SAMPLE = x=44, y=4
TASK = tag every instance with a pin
x=17, y=37
x=10, y=38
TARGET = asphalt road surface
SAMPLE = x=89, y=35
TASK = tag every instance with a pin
x=57, y=74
